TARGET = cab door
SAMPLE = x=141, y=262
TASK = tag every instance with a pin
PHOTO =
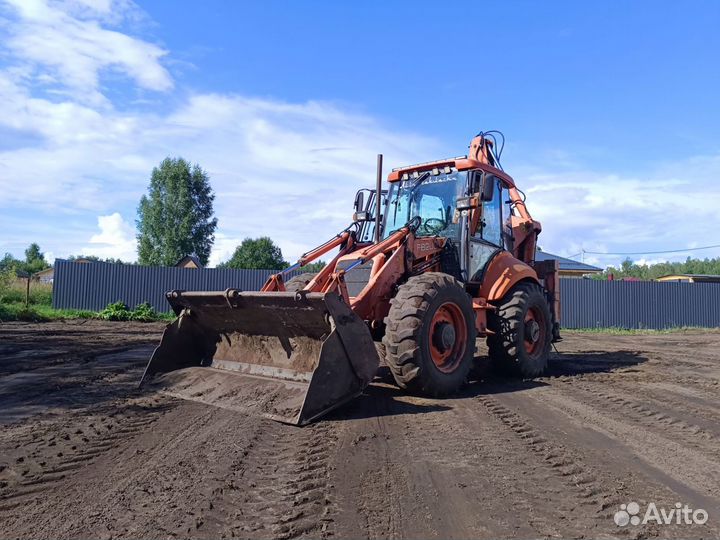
x=488, y=239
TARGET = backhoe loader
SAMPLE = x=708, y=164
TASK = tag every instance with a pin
x=445, y=255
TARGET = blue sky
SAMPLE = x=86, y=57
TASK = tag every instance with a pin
x=610, y=110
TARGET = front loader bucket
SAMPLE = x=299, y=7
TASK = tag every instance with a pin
x=289, y=356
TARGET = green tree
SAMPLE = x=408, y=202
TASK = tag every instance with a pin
x=175, y=218
x=259, y=253
x=34, y=259
x=95, y=258
x=33, y=253
x=314, y=266
x=8, y=261
x=654, y=271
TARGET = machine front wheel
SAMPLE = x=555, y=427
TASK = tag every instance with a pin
x=430, y=335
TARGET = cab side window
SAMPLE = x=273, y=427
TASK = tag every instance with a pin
x=488, y=238
x=491, y=226
x=507, y=210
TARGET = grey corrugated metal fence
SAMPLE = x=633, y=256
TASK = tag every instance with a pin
x=585, y=303
x=588, y=303
x=93, y=286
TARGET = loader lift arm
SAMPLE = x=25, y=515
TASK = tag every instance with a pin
x=345, y=240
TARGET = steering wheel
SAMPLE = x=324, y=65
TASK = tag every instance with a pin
x=432, y=226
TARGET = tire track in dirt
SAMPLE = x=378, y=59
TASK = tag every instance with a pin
x=42, y=462
x=79, y=382
x=701, y=390
x=455, y=454
x=684, y=471
x=289, y=484
x=448, y=472
x=157, y=480
x=621, y=474
x=694, y=431
x=680, y=398
x=381, y=486
x=567, y=465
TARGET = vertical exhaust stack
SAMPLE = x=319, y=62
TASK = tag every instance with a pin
x=378, y=199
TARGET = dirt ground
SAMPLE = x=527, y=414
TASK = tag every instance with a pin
x=84, y=453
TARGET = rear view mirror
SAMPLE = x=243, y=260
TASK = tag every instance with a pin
x=466, y=203
x=359, y=200
x=488, y=187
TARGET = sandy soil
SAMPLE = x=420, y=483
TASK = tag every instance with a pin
x=84, y=453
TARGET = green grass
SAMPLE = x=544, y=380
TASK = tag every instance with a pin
x=40, y=293
x=617, y=331
x=39, y=308
x=16, y=311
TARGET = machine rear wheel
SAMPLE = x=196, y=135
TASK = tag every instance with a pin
x=299, y=282
x=520, y=345
x=430, y=335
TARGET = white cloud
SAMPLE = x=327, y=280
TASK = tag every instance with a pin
x=287, y=170
x=670, y=207
x=66, y=41
x=116, y=239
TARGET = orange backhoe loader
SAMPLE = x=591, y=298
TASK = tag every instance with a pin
x=446, y=255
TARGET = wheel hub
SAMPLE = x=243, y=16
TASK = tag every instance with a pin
x=447, y=335
x=532, y=331
x=444, y=337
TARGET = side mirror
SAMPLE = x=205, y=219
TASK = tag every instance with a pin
x=359, y=200
x=488, y=187
x=466, y=203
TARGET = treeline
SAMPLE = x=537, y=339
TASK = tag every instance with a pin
x=262, y=254
x=34, y=262
x=630, y=269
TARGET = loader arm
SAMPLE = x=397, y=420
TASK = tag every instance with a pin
x=381, y=254
x=347, y=243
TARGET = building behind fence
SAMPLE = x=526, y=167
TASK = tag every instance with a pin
x=585, y=303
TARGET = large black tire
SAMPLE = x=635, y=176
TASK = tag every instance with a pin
x=520, y=346
x=298, y=282
x=430, y=335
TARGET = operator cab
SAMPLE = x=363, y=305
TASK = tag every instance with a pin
x=440, y=200
x=430, y=196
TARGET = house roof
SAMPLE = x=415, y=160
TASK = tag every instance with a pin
x=567, y=265
x=187, y=258
x=696, y=277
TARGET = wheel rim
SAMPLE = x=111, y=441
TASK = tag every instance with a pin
x=535, y=331
x=448, y=337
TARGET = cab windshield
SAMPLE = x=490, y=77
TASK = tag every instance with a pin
x=432, y=198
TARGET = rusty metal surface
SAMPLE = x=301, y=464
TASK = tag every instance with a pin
x=291, y=357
